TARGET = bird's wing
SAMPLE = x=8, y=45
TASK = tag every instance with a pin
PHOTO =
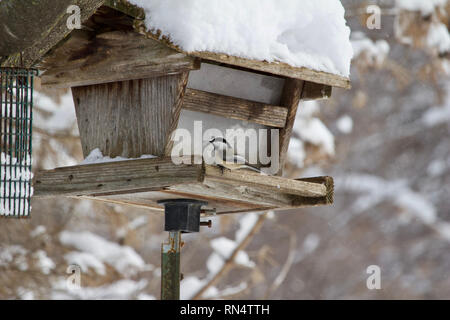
x=245, y=164
x=238, y=159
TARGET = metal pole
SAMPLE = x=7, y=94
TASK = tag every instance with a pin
x=181, y=215
x=170, y=267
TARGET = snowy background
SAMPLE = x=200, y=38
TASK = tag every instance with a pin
x=386, y=142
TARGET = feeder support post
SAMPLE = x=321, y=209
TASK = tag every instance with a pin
x=170, y=267
x=181, y=216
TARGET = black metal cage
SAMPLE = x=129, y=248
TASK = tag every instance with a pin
x=16, y=101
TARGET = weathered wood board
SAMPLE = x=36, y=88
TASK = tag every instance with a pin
x=129, y=118
x=143, y=182
x=87, y=59
x=235, y=108
x=293, y=92
x=34, y=27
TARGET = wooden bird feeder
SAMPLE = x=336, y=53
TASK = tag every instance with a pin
x=130, y=88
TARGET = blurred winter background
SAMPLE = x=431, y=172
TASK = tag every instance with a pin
x=386, y=142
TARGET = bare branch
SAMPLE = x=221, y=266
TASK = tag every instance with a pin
x=229, y=263
x=288, y=264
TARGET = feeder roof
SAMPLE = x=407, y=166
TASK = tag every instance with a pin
x=306, y=40
x=308, y=34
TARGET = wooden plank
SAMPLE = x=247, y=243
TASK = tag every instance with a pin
x=110, y=57
x=226, y=191
x=149, y=199
x=328, y=199
x=129, y=118
x=271, y=183
x=116, y=177
x=291, y=96
x=275, y=68
x=155, y=208
x=46, y=25
x=235, y=108
x=226, y=198
x=175, y=111
x=202, y=192
x=143, y=182
x=314, y=91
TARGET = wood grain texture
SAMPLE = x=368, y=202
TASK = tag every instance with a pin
x=290, y=98
x=275, y=68
x=45, y=27
x=225, y=192
x=115, y=177
x=128, y=118
x=327, y=199
x=143, y=182
x=314, y=91
x=270, y=183
x=110, y=57
x=278, y=68
x=235, y=108
x=175, y=111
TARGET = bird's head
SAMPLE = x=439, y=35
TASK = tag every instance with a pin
x=219, y=143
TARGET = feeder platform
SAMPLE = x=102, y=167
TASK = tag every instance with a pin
x=144, y=182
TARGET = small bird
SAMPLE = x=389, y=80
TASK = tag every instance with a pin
x=225, y=157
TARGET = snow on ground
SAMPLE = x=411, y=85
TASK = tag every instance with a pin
x=438, y=167
x=376, y=51
x=345, y=124
x=62, y=115
x=374, y=190
x=119, y=290
x=190, y=286
x=145, y=296
x=296, y=152
x=308, y=128
x=133, y=225
x=310, y=244
x=426, y=7
x=96, y=156
x=439, y=114
x=44, y=263
x=123, y=258
x=438, y=37
x=308, y=33
x=39, y=230
x=246, y=224
x=223, y=248
x=85, y=261
x=25, y=294
x=13, y=254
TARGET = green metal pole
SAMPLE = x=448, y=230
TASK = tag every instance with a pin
x=170, y=267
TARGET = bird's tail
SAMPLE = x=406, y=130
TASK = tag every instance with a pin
x=252, y=168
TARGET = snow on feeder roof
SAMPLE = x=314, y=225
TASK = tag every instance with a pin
x=310, y=33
